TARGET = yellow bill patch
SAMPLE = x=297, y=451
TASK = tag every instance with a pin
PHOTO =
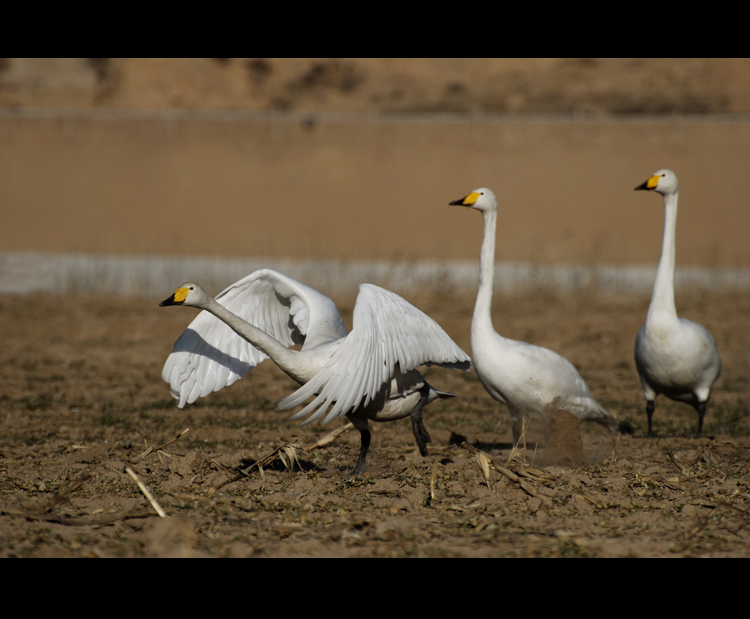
x=652, y=182
x=471, y=198
x=180, y=294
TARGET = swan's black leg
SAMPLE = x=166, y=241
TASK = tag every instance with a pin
x=417, y=425
x=364, y=447
x=701, y=408
x=650, y=415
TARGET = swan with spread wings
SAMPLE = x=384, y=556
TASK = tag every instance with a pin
x=368, y=374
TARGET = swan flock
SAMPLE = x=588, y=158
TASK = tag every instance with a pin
x=370, y=373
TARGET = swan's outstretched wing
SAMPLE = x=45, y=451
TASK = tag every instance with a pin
x=387, y=332
x=209, y=355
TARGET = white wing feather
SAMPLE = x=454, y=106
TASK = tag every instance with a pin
x=388, y=332
x=209, y=355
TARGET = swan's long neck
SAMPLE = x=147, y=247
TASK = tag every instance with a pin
x=286, y=358
x=662, y=300
x=482, y=320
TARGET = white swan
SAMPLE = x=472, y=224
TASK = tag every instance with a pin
x=674, y=356
x=528, y=379
x=367, y=374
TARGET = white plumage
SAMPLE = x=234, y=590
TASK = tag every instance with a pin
x=674, y=356
x=366, y=374
x=528, y=379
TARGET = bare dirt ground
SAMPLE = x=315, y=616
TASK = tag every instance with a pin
x=82, y=399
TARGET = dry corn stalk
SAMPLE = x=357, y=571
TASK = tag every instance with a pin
x=287, y=454
x=152, y=449
x=484, y=465
x=331, y=436
x=433, y=478
x=530, y=474
x=146, y=493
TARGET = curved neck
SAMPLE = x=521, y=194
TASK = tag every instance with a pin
x=662, y=299
x=284, y=357
x=483, y=305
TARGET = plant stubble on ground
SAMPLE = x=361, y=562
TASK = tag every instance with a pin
x=82, y=399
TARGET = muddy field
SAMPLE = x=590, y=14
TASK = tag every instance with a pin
x=354, y=161
x=82, y=399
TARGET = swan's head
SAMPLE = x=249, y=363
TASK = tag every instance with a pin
x=481, y=199
x=662, y=181
x=189, y=294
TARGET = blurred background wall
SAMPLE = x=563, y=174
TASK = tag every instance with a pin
x=153, y=169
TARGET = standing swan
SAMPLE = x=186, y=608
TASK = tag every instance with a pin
x=674, y=356
x=355, y=374
x=526, y=378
